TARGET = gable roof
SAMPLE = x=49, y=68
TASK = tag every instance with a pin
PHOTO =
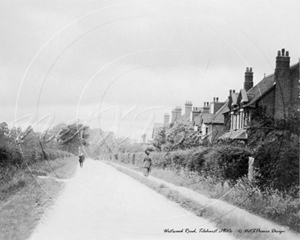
x=238, y=134
x=205, y=117
x=234, y=98
x=265, y=85
x=156, y=128
x=260, y=89
x=197, y=120
x=244, y=96
x=218, y=117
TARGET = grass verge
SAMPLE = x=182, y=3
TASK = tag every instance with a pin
x=219, y=214
x=25, y=197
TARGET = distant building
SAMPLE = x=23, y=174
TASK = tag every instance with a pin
x=208, y=121
x=156, y=128
x=176, y=116
x=277, y=94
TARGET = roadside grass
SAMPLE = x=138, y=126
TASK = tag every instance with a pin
x=24, y=198
x=271, y=204
x=224, y=222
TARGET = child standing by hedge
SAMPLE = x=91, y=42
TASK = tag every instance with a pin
x=147, y=164
x=81, y=157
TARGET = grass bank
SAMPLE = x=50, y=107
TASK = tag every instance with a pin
x=271, y=204
x=225, y=216
x=24, y=198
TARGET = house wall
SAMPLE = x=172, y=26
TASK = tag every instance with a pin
x=283, y=87
x=268, y=102
x=217, y=131
x=205, y=129
x=295, y=101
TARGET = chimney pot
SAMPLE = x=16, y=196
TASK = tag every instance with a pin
x=251, y=69
x=233, y=91
x=282, y=60
x=217, y=99
x=278, y=54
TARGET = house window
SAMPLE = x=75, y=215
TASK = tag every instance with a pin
x=247, y=119
x=234, y=122
x=242, y=118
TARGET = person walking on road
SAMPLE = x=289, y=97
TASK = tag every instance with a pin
x=81, y=156
x=147, y=164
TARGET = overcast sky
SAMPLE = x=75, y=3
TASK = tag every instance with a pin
x=62, y=60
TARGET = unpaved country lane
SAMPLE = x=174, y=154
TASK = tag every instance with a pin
x=102, y=203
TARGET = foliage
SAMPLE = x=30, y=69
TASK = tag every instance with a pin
x=275, y=144
x=101, y=142
x=280, y=206
x=175, y=136
x=71, y=137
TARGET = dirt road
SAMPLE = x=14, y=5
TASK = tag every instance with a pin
x=102, y=203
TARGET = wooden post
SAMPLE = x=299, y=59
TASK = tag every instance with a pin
x=250, y=168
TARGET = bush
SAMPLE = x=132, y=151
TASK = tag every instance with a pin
x=196, y=160
x=227, y=162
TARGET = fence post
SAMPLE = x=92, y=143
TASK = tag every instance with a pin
x=250, y=168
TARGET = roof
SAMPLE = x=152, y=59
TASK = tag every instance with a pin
x=206, y=117
x=244, y=96
x=260, y=89
x=234, y=98
x=197, y=120
x=156, y=127
x=238, y=134
x=218, y=117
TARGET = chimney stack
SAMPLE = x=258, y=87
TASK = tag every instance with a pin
x=177, y=113
x=282, y=59
x=173, y=115
x=166, y=118
x=248, y=83
x=195, y=112
x=188, y=109
x=206, y=107
x=283, y=90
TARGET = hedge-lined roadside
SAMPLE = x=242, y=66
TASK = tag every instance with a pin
x=220, y=173
x=24, y=196
x=17, y=161
x=223, y=162
x=200, y=206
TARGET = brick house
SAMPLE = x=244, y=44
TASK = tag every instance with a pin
x=176, y=116
x=276, y=93
x=208, y=121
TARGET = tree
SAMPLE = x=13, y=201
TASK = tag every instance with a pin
x=175, y=136
x=72, y=136
x=275, y=143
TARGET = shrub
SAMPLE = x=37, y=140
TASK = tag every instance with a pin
x=227, y=162
x=196, y=159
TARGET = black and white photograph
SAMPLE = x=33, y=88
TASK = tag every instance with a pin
x=149, y=119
